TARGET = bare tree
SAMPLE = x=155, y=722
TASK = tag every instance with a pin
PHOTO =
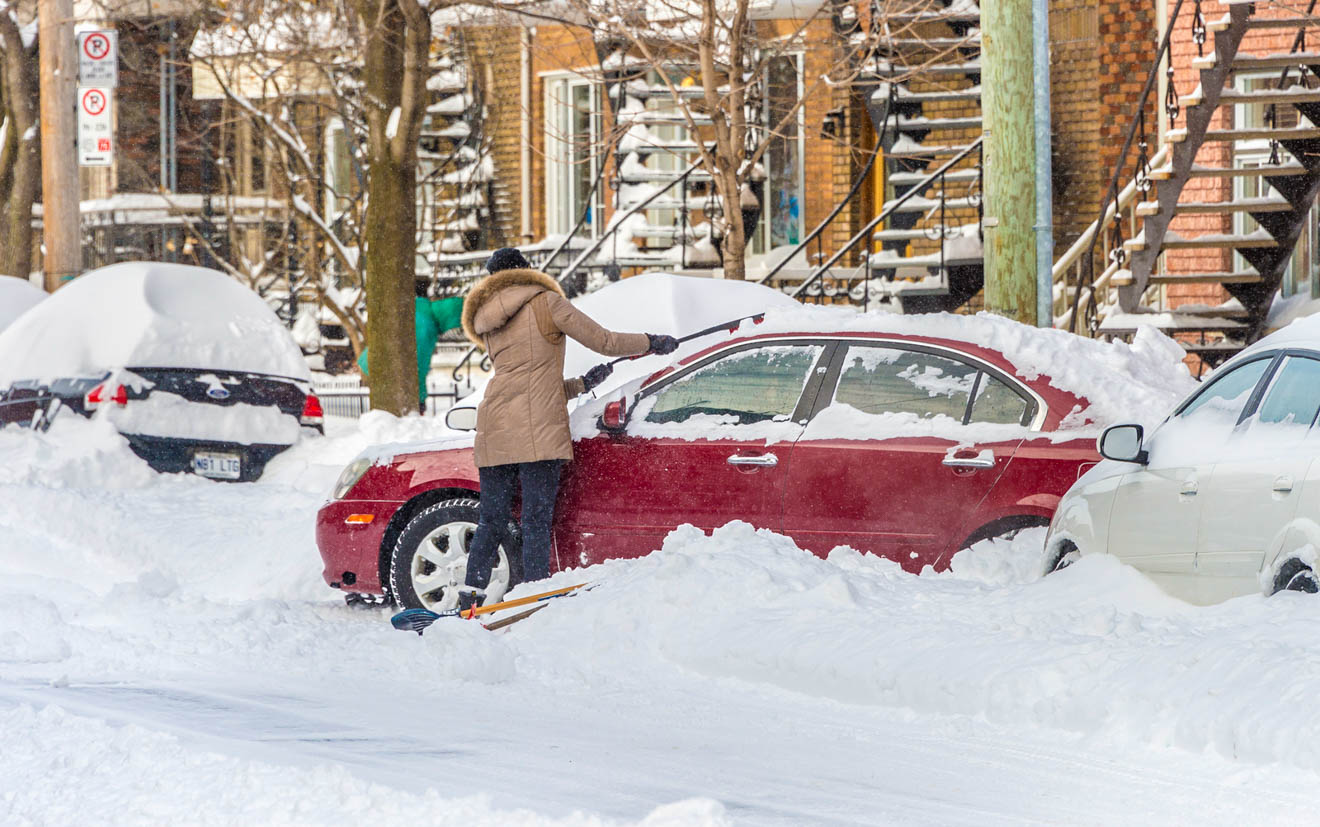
x=286, y=72
x=20, y=145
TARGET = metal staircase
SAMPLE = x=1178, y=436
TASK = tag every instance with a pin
x=923, y=250
x=1202, y=200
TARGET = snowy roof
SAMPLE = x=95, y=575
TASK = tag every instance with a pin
x=16, y=296
x=145, y=314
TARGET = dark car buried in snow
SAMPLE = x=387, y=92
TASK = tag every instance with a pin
x=194, y=369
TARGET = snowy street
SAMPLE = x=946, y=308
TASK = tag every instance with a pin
x=169, y=654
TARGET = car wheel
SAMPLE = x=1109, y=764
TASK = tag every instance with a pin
x=1296, y=576
x=429, y=561
x=1066, y=555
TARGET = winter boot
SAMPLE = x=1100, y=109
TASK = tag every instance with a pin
x=470, y=597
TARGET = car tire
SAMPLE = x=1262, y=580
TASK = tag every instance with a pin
x=1296, y=576
x=429, y=560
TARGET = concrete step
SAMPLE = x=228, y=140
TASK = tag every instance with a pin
x=952, y=176
x=971, y=93
x=1168, y=322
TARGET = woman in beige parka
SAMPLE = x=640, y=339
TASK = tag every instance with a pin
x=520, y=317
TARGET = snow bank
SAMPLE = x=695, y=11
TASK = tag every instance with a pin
x=74, y=453
x=16, y=297
x=1095, y=650
x=148, y=315
x=131, y=775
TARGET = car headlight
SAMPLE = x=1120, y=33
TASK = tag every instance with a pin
x=350, y=477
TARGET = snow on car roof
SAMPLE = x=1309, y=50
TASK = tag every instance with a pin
x=16, y=297
x=1139, y=381
x=148, y=314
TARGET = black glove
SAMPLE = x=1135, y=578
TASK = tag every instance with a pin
x=596, y=375
x=662, y=344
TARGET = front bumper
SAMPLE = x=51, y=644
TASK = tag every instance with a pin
x=351, y=550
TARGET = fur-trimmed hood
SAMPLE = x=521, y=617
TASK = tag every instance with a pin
x=483, y=312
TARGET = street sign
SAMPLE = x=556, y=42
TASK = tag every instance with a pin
x=96, y=130
x=98, y=58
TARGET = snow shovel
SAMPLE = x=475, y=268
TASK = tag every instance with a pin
x=417, y=620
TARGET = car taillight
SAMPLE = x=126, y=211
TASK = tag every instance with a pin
x=100, y=394
x=312, y=413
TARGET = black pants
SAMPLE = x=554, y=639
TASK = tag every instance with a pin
x=540, y=484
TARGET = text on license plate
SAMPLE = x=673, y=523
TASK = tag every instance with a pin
x=217, y=465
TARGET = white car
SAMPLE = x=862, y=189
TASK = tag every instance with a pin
x=1223, y=498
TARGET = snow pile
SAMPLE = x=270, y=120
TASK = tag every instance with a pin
x=1141, y=381
x=16, y=297
x=148, y=315
x=1096, y=649
x=74, y=453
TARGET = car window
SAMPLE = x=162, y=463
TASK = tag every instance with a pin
x=880, y=380
x=1224, y=398
x=1293, y=397
x=997, y=403
x=747, y=386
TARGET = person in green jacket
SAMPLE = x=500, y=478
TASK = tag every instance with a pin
x=432, y=318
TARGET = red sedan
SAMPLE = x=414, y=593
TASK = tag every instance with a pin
x=910, y=447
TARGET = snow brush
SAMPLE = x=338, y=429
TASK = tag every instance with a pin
x=417, y=620
x=730, y=326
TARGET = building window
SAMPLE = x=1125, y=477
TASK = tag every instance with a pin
x=573, y=157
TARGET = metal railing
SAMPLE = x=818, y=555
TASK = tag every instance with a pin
x=1068, y=269
x=890, y=208
x=1117, y=255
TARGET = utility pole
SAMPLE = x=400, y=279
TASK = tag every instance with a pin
x=62, y=260
x=1010, y=159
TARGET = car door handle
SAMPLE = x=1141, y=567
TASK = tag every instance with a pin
x=985, y=459
x=1283, y=484
x=758, y=459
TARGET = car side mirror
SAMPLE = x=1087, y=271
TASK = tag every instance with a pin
x=615, y=417
x=461, y=419
x=1122, y=443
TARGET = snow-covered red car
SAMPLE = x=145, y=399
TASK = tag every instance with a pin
x=194, y=369
x=908, y=437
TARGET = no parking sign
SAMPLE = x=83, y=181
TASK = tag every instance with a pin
x=96, y=137
x=98, y=58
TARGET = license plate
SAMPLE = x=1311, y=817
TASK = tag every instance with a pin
x=217, y=465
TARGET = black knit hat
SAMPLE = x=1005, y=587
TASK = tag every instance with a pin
x=507, y=258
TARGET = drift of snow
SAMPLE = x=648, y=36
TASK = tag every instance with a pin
x=17, y=296
x=148, y=315
x=169, y=654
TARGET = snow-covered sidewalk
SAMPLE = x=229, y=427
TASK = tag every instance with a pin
x=169, y=655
